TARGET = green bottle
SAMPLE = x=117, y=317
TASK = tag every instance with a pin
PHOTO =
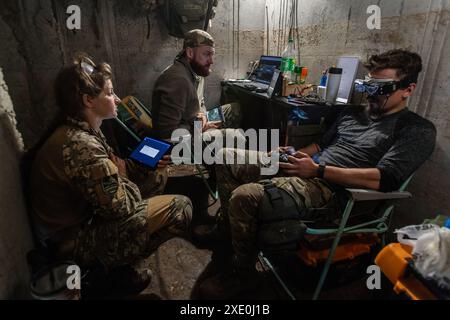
x=288, y=61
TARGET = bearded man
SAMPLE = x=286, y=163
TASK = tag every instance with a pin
x=178, y=93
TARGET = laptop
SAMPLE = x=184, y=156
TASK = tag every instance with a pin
x=263, y=75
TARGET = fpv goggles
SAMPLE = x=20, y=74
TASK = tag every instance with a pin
x=379, y=87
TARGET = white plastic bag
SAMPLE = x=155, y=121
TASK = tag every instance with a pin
x=431, y=251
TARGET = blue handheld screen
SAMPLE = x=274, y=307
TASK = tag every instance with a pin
x=215, y=114
x=150, y=151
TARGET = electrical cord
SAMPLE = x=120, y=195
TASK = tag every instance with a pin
x=380, y=110
x=213, y=194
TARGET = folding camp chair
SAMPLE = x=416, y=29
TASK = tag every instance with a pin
x=300, y=136
x=378, y=225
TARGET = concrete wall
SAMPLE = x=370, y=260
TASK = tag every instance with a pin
x=36, y=44
x=239, y=31
x=332, y=28
x=15, y=237
x=128, y=35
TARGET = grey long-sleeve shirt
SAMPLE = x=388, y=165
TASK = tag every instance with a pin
x=397, y=144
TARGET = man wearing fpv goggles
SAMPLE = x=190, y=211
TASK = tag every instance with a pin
x=380, y=90
x=380, y=87
x=377, y=147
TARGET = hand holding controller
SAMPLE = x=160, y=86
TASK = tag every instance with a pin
x=284, y=155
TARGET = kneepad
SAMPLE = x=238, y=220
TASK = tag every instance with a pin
x=280, y=225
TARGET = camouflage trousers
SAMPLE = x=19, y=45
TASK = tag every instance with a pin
x=240, y=195
x=127, y=240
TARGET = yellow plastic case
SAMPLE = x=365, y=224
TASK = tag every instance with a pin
x=393, y=261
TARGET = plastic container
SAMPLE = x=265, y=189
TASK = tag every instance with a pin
x=322, y=92
x=333, y=83
x=304, y=75
x=298, y=73
x=288, y=61
x=323, y=80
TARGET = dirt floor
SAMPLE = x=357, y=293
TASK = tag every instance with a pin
x=179, y=268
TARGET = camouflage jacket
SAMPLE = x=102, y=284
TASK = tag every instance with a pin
x=74, y=178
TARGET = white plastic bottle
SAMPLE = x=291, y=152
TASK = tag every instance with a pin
x=333, y=84
x=288, y=61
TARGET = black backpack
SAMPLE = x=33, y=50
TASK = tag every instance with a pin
x=182, y=16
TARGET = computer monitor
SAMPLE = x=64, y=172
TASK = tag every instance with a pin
x=350, y=68
x=266, y=68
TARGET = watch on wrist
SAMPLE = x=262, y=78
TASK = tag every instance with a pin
x=321, y=170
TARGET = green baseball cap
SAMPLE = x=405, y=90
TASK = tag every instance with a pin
x=197, y=38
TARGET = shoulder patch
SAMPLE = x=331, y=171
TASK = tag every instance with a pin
x=104, y=169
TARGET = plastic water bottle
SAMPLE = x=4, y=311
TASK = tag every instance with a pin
x=288, y=61
x=333, y=84
x=323, y=80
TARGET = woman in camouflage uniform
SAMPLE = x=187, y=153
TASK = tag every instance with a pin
x=89, y=205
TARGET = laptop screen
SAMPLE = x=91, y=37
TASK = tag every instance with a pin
x=266, y=68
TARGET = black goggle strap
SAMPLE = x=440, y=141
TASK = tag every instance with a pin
x=405, y=83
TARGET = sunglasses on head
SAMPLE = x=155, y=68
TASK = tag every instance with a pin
x=87, y=68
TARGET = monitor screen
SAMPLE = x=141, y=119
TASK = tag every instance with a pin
x=273, y=83
x=266, y=68
x=350, y=67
